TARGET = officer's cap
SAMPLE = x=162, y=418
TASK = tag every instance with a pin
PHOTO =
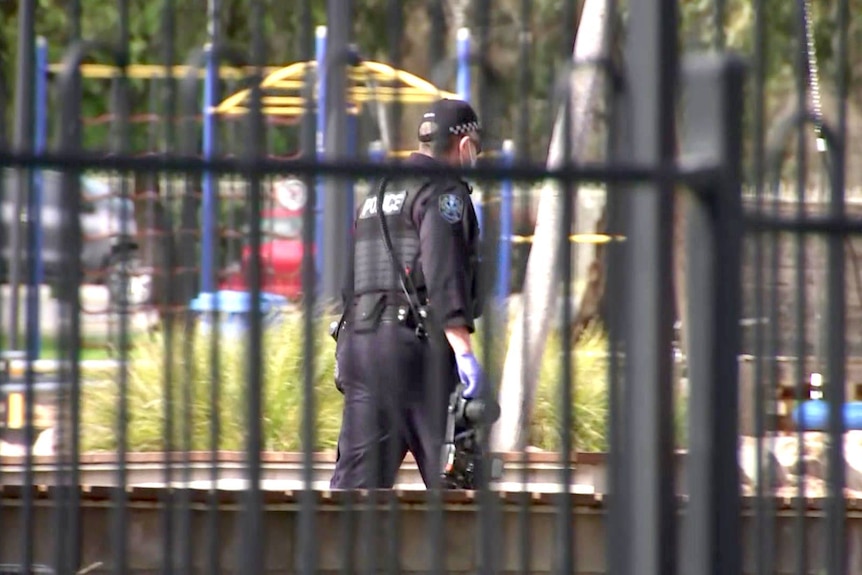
x=448, y=117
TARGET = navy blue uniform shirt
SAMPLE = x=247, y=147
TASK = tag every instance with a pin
x=449, y=247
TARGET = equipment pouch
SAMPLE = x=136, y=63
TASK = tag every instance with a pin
x=368, y=311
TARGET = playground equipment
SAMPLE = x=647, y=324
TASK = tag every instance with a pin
x=285, y=98
x=369, y=82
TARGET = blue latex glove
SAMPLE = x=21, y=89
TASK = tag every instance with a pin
x=470, y=373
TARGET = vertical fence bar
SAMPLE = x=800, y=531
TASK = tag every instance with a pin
x=564, y=553
x=762, y=533
x=712, y=137
x=254, y=544
x=169, y=316
x=525, y=83
x=395, y=41
x=650, y=505
x=395, y=33
x=23, y=142
x=837, y=312
x=24, y=136
x=69, y=141
x=34, y=259
x=190, y=102
x=493, y=320
x=801, y=242
x=307, y=538
x=525, y=77
x=565, y=518
x=189, y=244
x=615, y=148
x=122, y=146
x=209, y=269
x=339, y=35
x=619, y=146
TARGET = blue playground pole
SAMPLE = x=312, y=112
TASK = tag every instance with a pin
x=504, y=263
x=34, y=340
x=352, y=145
x=319, y=236
x=207, y=217
x=376, y=151
x=463, y=89
x=463, y=55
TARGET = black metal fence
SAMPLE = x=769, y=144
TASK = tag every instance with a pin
x=147, y=431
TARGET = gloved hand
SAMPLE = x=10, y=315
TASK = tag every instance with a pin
x=470, y=373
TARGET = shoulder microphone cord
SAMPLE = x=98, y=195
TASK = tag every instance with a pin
x=407, y=285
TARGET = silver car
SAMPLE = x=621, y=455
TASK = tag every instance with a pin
x=109, y=230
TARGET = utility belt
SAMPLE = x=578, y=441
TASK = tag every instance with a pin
x=368, y=311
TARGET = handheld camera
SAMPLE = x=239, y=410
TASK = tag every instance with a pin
x=466, y=422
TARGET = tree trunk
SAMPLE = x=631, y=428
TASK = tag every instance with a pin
x=541, y=290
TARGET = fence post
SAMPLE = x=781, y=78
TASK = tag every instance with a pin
x=646, y=519
x=339, y=14
x=712, y=139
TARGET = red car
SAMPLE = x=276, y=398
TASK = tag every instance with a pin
x=281, y=245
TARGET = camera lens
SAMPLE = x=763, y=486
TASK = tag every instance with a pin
x=479, y=411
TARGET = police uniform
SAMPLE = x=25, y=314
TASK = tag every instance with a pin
x=392, y=401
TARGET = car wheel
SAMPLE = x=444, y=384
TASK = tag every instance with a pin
x=126, y=271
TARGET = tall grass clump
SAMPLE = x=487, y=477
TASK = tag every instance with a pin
x=589, y=392
x=590, y=396
x=189, y=359
x=190, y=397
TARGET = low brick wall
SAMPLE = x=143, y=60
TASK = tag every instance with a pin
x=350, y=538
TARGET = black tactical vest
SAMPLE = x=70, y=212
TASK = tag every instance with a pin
x=373, y=269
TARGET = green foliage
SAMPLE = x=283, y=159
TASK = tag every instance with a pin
x=373, y=34
x=194, y=375
x=589, y=395
x=194, y=372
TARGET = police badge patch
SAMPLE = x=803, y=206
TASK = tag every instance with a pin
x=451, y=208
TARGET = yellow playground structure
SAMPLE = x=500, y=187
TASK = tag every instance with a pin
x=369, y=82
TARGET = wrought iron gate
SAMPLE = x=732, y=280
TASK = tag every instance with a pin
x=188, y=447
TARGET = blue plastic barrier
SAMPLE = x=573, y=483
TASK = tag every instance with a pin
x=233, y=310
x=813, y=415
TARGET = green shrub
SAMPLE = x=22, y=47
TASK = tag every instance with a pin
x=283, y=365
x=590, y=407
x=190, y=361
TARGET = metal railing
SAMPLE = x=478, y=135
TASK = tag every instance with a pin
x=163, y=435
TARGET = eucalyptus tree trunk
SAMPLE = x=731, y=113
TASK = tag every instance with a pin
x=533, y=319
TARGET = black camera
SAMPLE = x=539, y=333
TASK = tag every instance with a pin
x=467, y=421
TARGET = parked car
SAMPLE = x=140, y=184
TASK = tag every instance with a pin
x=109, y=236
x=281, y=247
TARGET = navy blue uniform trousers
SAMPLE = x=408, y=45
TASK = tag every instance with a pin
x=396, y=389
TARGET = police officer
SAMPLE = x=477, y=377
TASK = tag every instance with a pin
x=410, y=301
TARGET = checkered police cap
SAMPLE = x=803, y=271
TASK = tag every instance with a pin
x=454, y=117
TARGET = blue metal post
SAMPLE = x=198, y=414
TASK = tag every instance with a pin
x=463, y=88
x=463, y=56
x=505, y=250
x=208, y=223
x=34, y=339
x=320, y=236
x=352, y=152
x=376, y=151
